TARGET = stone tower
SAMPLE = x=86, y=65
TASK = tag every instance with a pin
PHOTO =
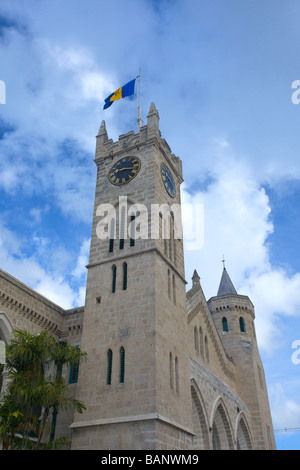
x=136, y=380
x=233, y=315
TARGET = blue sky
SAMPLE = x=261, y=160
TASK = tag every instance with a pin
x=220, y=74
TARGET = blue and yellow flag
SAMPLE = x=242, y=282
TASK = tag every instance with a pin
x=125, y=90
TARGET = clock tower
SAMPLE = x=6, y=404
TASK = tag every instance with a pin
x=135, y=381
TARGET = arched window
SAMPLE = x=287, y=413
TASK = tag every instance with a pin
x=165, y=246
x=224, y=324
x=176, y=375
x=174, y=240
x=132, y=230
x=109, y=366
x=73, y=377
x=171, y=371
x=112, y=235
x=196, y=340
x=122, y=227
x=201, y=342
x=114, y=278
x=206, y=348
x=175, y=253
x=124, y=276
x=165, y=228
x=242, y=325
x=169, y=284
x=171, y=239
x=122, y=364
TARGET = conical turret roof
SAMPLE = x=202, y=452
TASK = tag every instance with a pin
x=226, y=287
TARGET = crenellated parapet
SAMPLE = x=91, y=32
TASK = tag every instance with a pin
x=131, y=142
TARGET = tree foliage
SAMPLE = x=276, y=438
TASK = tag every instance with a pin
x=36, y=387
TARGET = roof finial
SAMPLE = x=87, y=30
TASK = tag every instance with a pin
x=226, y=287
x=223, y=261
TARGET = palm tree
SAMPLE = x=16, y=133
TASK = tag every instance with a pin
x=34, y=364
x=11, y=419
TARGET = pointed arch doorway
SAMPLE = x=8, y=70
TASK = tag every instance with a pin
x=201, y=439
x=222, y=438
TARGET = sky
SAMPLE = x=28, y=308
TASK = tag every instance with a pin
x=221, y=74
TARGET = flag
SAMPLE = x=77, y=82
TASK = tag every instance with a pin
x=125, y=90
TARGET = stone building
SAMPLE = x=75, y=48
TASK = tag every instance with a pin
x=165, y=369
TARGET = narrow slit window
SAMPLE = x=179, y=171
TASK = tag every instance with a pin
x=122, y=365
x=176, y=375
x=196, y=340
x=124, y=276
x=112, y=235
x=122, y=228
x=171, y=371
x=114, y=278
x=74, y=373
x=206, y=349
x=224, y=324
x=109, y=366
x=201, y=342
x=132, y=231
x=175, y=254
x=171, y=240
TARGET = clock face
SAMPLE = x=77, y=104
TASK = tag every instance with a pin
x=124, y=170
x=168, y=180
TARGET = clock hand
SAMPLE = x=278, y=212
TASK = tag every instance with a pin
x=121, y=169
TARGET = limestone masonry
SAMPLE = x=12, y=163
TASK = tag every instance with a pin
x=165, y=369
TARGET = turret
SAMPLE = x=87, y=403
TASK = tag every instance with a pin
x=233, y=315
x=153, y=122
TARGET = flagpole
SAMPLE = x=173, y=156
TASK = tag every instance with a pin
x=139, y=119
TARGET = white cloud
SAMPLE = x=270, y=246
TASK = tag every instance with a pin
x=56, y=289
x=274, y=293
x=237, y=225
x=55, y=100
x=52, y=282
x=9, y=243
x=285, y=411
x=82, y=260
